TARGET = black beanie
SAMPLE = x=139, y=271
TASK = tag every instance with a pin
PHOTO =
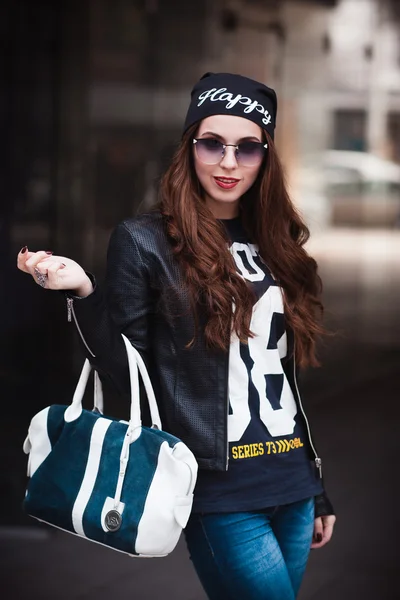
x=230, y=94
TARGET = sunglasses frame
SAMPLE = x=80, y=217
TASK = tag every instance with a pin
x=236, y=146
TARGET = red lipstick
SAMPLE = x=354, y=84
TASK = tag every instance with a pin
x=226, y=183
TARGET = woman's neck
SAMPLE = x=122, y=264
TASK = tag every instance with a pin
x=223, y=210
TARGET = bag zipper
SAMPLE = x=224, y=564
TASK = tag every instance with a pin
x=71, y=312
x=317, y=460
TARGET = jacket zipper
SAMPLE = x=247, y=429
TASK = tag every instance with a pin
x=71, y=312
x=318, y=461
x=227, y=409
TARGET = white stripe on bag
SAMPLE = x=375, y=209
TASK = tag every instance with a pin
x=89, y=479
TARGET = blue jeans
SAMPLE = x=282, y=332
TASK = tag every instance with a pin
x=252, y=555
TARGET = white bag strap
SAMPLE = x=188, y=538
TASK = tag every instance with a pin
x=98, y=393
x=136, y=365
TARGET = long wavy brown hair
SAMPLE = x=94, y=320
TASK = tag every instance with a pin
x=201, y=246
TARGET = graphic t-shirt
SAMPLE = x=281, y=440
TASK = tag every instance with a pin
x=269, y=454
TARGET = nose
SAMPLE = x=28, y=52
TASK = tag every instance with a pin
x=229, y=160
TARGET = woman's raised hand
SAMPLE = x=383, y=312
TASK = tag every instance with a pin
x=54, y=272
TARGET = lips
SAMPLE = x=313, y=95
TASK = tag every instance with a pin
x=226, y=183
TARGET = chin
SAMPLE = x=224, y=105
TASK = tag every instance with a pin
x=225, y=197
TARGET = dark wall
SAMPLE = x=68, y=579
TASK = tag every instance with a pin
x=37, y=346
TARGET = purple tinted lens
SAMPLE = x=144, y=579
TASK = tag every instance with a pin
x=209, y=151
x=250, y=153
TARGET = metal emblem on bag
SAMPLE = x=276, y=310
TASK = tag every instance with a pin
x=113, y=520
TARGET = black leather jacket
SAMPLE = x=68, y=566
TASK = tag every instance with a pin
x=147, y=300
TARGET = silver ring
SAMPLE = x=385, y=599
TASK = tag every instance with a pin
x=41, y=277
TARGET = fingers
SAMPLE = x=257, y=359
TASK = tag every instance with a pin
x=27, y=261
x=318, y=533
x=47, y=273
x=34, y=260
x=35, y=267
x=40, y=265
x=22, y=257
x=328, y=522
x=53, y=267
x=323, y=530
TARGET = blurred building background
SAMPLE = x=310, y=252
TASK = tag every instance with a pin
x=93, y=100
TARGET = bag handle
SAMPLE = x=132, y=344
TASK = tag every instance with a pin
x=136, y=365
x=98, y=394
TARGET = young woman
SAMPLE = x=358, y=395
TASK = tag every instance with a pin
x=216, y=291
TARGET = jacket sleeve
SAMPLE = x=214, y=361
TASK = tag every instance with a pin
x=323, y=506
x=125, y=308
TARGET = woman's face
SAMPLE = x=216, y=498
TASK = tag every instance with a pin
x=225, y=182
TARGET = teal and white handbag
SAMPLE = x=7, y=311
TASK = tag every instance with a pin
x=117, y=483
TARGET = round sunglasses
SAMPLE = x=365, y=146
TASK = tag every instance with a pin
x=211, y=151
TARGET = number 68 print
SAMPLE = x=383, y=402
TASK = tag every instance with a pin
x=278, y=420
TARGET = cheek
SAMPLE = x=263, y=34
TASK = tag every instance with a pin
x=250, y=176
x=202, y=171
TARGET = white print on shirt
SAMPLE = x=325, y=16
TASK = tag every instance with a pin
x=250, y=250
x=278, y=422
x=224, y=96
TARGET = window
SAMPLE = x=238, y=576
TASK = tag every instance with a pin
x=349, y=130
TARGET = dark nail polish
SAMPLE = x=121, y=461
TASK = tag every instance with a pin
x=49, y=251
x=318, y=537
x=24, y=249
